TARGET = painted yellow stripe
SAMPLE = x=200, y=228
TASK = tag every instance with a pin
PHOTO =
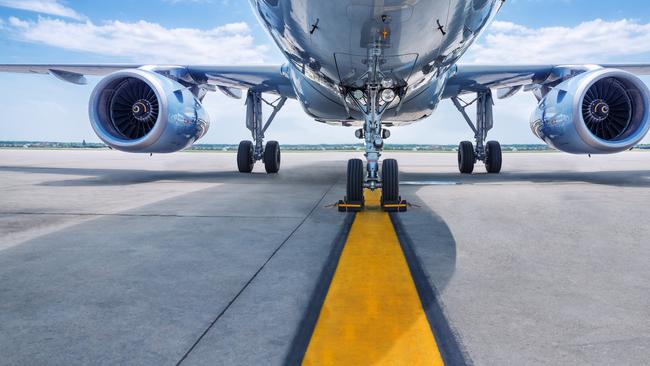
x=372, y=314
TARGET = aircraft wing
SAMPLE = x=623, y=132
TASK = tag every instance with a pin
x=228, y=79
x=511, y=79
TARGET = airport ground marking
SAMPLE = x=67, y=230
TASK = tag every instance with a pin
x=372, y=313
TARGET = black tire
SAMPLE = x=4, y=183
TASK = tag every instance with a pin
x=466, y=157
x=272, y=157
x=245, y=161
x=390, y=181
x=355, y=181
x=493, y=157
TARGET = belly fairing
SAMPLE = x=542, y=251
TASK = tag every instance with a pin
x=326, y=105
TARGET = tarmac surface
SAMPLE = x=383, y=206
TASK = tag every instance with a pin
x=109, y=258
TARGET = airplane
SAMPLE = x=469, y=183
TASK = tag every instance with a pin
x=372, y=65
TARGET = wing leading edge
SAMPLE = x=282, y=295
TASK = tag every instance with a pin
x=509, y=79
x=266, y=79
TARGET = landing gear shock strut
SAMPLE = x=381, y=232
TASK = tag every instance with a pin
x=374, y=141
x=489, y=153
x=252, y=151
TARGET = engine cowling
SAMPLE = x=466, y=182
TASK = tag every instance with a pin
x=144, y=112
x=603, y=111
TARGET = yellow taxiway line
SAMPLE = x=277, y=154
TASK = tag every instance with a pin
x=372, y=314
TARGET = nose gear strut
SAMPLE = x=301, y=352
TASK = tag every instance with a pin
x=373, y=100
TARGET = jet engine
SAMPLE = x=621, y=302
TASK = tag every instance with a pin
x=602, y=111
x=144, y=112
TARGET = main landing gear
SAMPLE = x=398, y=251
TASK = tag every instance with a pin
x=489, y=153
x=250, y=152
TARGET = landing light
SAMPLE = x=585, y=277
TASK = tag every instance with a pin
x=388, y=95
x=387, y=83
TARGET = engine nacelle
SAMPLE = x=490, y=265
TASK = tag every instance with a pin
x=603, y=111
x=144, y=112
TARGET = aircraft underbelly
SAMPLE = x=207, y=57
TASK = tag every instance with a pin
x=327, y=44
x=335, y=35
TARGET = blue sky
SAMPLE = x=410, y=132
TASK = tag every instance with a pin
x=540, y=13
x=226, y=32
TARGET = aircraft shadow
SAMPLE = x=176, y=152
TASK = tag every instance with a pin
x=430, y=250
x=324, y=173
x=621, y=178
x=430, y=238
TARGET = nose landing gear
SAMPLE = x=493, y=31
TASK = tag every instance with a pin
x=373, y=102
x=391, y=201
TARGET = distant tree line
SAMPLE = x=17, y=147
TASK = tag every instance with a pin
x=298, y=147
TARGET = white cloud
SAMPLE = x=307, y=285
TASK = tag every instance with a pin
x=17, y=23
x=594, y=41
x=145, y=42
x=51, y=7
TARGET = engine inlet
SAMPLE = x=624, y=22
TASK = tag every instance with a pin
x=607, y=109
x=134, y=109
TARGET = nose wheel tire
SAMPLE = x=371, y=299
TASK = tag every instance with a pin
x=390, y=181
x=355, y=181
x=466, y=157
x=493, y=157
x=272, y=157
x=245, y=159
